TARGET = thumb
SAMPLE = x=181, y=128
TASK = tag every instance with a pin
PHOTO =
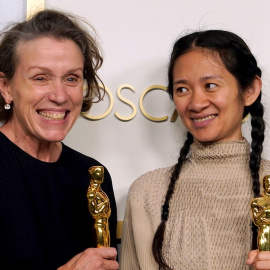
x=107, y=252
x=251, y=256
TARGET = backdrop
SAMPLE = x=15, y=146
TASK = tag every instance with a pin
x=134, y=132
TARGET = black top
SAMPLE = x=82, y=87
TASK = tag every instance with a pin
x=44, y=218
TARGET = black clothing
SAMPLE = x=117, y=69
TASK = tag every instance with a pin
x=44, y=218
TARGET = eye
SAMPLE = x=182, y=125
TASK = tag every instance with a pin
x=40, y=79
x=181, y=90
x=210, y=85
x=73, y=80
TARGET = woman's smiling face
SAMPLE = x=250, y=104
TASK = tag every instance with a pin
x=207, y=97
x=47, y=88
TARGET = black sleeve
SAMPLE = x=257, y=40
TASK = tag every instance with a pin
x=108, y=189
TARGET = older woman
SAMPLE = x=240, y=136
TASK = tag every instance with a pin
x=44, y=220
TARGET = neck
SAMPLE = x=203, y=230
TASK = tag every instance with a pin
x=41, y=150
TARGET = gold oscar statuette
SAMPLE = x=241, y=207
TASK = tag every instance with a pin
x=260, y=208
x=99, y=206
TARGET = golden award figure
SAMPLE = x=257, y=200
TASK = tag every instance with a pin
x=260, y=208
x=99, y=206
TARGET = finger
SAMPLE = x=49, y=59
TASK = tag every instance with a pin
x=262, y=261
x=107, y=253
x=111, y=265
x=262, y=265
x=264, y=256
x=251, y=256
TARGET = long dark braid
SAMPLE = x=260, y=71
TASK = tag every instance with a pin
x=245, y=69
x=159, y=235
x=257, y=134
x=239, y=61
x=256, y=111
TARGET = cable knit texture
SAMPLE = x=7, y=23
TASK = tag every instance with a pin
x=209, y=225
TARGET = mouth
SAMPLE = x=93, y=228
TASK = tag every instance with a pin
x=53, y=116
x=209, y=117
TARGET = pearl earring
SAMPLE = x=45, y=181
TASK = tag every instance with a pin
x=7, y=106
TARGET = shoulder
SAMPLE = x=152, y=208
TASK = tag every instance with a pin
x=146, y=194
x=7, y=148
x=152, y=181
x=71, y=154
x=79, y=162
x=77, y=159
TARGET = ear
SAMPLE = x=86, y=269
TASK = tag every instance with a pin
x=4, y=88
x=252, y=92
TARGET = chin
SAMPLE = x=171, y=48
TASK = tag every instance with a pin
x=54, y=136
x=205, y=139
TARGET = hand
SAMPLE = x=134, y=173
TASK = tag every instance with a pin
x=93, y=259
x=260, y=260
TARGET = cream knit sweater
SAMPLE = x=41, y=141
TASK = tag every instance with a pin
x=209, y=225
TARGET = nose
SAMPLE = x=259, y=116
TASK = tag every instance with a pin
x=198, y=101
x=58, y=93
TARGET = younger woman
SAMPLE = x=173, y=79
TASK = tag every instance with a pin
x=196, y=214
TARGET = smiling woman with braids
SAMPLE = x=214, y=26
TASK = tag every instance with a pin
x=196, y=214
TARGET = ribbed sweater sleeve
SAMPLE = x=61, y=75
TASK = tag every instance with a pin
x=137, y=232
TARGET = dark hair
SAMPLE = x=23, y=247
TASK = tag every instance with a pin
x=58, y=25
x=239, y=61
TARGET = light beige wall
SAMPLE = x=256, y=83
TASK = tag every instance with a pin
x=12, y=11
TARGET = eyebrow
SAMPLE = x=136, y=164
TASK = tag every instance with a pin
x=203, y=79
x=180, y=81
x=210, y=77
x=49, y=70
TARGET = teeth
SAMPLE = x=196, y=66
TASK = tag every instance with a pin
x=204, y=119
x=52, y=116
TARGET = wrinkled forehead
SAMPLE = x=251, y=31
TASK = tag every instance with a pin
x=22, y=44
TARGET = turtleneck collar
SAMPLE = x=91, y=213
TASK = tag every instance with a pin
x=219, y=150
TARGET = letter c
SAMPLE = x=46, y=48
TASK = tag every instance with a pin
x=151, y=88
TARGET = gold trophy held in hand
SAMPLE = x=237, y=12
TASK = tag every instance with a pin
x=260, y=208
x=99, y=206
